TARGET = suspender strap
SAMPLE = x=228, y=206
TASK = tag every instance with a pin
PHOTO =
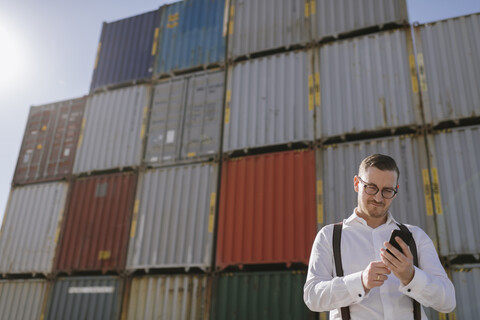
x=337, y=236
x=417, y=314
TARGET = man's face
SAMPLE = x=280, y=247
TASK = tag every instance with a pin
x=374, y=207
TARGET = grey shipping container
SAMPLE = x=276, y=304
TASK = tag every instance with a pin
x=466, y=279
x=126, y=50
x=22, y=299
x=31, y=227
x=448, y=54
x=256, y=26
x=169, y=297
x=338, y=164
x=336, y=18
x=185, y=119
x=81, y=298
x=455, y=156
x=50, y=141
x=368, y=83
x=270, y=101
x=173, y=218
x=113, y=130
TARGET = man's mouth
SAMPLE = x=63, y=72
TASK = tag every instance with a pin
x=377, y=204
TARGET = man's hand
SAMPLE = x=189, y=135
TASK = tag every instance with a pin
x=401, y=264
x=374, y=275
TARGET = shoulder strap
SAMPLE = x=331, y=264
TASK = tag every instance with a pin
x=337, y=236
x=413, y=248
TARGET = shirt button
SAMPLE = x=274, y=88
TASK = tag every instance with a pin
x=360, y=295
x=409, y=290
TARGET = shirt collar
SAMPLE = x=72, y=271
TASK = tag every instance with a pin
x=355, y=218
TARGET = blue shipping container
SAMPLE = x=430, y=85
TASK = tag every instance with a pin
x=126, y=52
x=191, y=35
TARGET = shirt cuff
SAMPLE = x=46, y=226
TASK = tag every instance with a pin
x=418, y=283
x=354, y=286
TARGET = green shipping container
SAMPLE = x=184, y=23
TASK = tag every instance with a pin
x=260, y=295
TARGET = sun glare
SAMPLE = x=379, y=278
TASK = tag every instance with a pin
x=11, y=64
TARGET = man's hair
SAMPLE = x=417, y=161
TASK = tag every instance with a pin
x=379, y=161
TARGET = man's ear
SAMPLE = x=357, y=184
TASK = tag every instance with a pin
x=355, y=183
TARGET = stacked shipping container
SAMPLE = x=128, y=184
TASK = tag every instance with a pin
x=356, y=85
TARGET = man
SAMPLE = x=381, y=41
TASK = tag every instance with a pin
x=376, y=284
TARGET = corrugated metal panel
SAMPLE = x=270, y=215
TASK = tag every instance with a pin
x=366, y=84
x=113, y=130
x=337, y=165
x=270, y=101
x=169, y=297
x=30, y=228
x=22, y=299
x=127, y=50
x=174, y=218
x=257, y=26
x=260, y=295
x=95, y=234
x=185, y=119
x=267, y=209
x=337, y=17
x=449, y=52
x=190, y=35
x=456, y=181
x=85, y=298
x=50, y=141
x=466, y=280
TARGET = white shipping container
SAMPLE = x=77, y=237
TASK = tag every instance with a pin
x=31, y=227
x=22, y=299
x=173, y=219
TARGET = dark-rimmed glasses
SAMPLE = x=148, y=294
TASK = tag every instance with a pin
x=371, y=189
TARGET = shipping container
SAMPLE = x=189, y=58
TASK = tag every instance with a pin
x=173, y=220
x=169, y=297
x=270, y=101
x=267, y=209
x=185, y=119
x=260, y=295
x=80, y=298
x=368, y=83
x=258, y=26
x=338, y=164
x=191, y=36
x=339, y=18
x=466, y=279
x=126, y=51
x=455, y=156
x=448, y=56
x=30, y=228
x=95, y=233
x=113, y=130
x=50, y=141
x=22, y=299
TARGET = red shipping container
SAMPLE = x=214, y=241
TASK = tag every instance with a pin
x=267, y=209
x=50, y=141
x=95, y=232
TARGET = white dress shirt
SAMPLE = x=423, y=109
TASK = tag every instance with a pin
x=360, y=245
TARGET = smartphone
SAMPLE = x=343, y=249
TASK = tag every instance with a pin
x=405, y=236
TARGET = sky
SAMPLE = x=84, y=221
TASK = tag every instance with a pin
x=48, y=49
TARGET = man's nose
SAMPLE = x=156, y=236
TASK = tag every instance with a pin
x=378, y=197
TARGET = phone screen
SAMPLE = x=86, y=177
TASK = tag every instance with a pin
x=405, y=236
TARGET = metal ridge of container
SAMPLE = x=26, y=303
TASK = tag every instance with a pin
x=260, y=295
x=368, y=83
x=113, y=130
x=190, y=36
x=126, y=50
x=22, y=299
x=78, y=298
x=447, y=57
x=30, y=229
x=467, y=284
x=50, y=141
x=267, y=209
x=169, y=297
x=270, y=101
x=173, y=219
x=431, y=23
x=95, y=232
